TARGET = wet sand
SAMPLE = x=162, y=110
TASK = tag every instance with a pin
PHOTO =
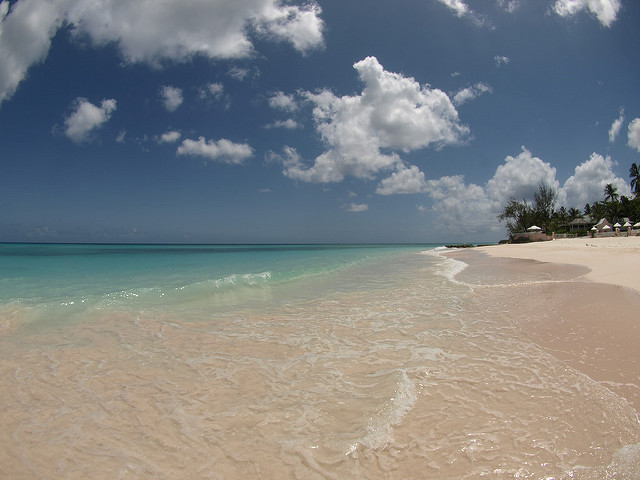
x=579, y=299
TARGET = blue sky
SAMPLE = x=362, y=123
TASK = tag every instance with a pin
x=322, y=121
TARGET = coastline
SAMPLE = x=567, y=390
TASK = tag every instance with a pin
x=578, y=299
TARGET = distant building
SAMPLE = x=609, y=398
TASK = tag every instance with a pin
x=580, y=223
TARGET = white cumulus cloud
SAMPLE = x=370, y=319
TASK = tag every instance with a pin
x=363, y=132
x=474, y=208
x=170, y=137
x=171, y=97
x=587, y=184
x=25, y=38
x=178, y=29
x=403, y=180
x=282, y=101
x=151, y=32
x=300, y=26
x=520, y=177
x=87, y=117
x=212, y=90
x=605, y=11
x=222, y=150
x=462, y=207
x=634, y=134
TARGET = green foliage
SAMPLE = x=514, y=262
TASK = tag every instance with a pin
x=634, y=175
x=611, y=193
x=614, y=208
x=521, y=214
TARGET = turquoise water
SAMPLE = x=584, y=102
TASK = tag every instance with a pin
x=65, y=279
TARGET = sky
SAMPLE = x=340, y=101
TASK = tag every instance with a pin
x=265, y=121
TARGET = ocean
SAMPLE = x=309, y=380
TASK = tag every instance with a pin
x=286, y=362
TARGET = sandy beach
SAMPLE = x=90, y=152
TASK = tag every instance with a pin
x=577, y=298
x=611, y=260
x=309, y=362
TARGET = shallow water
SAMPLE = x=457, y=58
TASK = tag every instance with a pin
x=368, y=364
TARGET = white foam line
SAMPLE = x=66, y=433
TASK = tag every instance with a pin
x=452, y=266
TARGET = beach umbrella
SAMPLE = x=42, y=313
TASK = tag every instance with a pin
x=594, y=229
x=627, y=225
x=606, y=227
x=637, y=225
x=533, y=228
x=617, y=225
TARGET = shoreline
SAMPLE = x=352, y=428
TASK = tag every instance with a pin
x=578, y=299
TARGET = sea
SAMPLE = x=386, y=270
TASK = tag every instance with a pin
x=286, y=362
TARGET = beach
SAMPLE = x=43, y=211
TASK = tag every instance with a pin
x=611, y=260
x=580, y=301
x=313, y=362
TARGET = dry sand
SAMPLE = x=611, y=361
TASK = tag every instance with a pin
x=579, y=299
x=612, y=260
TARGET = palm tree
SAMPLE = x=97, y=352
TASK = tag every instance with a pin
x=611, y=193
x=634, y=174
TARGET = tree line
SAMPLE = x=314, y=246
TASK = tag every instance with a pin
x=522, y=214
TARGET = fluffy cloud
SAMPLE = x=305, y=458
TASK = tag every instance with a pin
x=587, y=184
x=403, y=180
x=519, y=177
x=222, y=150
x=87, y=117
x=616, y=126
x=475, y=208
x=170, y=137
x=605, y=11
x=176, y=30
x=459, y=206
x=300, y=26
x=634, y=134
x=212, y=90
x=363, y=132
x=282, y=101
x=470, y=93
x=151, y=32
x=171, y=97
x=25, y=39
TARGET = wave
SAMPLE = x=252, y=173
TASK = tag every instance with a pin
x=449, y=267
x=210, y=291
x=379, y=430
x=70, y=306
